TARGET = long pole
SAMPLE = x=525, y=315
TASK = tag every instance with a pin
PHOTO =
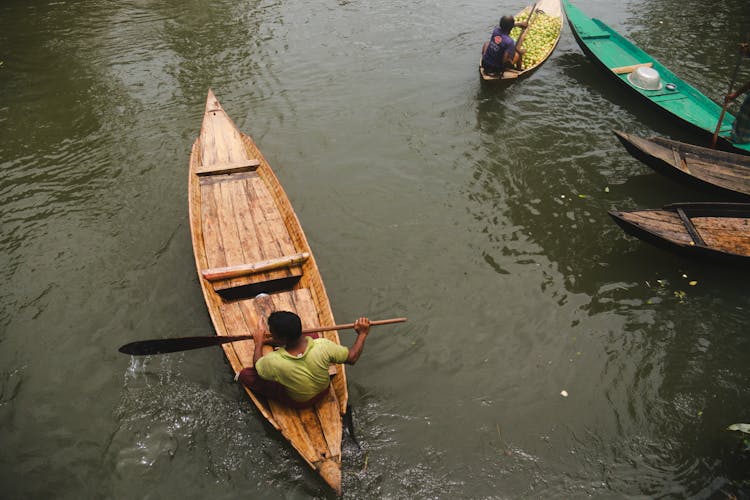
x=715, y=138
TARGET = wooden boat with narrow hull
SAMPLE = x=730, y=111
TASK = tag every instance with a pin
x=643, y=76
x=248, y=241
x=551, y=8
x=717, y=231
x=704, y=168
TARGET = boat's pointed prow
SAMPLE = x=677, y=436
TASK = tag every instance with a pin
x=330, y=471
x=211, y=101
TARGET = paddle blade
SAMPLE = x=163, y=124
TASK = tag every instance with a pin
x=164, y=346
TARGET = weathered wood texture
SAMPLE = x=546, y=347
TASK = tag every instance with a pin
x=243, y=226
x=719, y=230
x=727, y=173
x=220, y=273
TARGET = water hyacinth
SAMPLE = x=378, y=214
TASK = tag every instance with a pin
x=540, y=37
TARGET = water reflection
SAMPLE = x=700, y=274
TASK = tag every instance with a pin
x=547, y=186
x=480, y=214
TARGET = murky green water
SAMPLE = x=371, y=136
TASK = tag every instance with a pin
x=479, y=214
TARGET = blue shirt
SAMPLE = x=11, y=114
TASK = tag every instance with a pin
x=500, y=43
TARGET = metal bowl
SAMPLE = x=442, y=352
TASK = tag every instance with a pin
x=645, y=78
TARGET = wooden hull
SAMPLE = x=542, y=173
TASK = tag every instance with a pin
x=618, y=57
x=718, y=171
x=717, y=231
x=550, y=7
x=239, y=216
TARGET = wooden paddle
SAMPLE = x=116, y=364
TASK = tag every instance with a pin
x=524, y=30
x=163, y=346
x=715, y=138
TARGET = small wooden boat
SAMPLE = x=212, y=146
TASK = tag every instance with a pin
x=247, y=241
x=550, y=8
x=719, y=231
x=646, y=78
x=704, y=168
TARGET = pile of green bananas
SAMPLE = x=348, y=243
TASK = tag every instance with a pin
x=540, y=37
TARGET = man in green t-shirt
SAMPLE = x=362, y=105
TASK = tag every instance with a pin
x=297, y=373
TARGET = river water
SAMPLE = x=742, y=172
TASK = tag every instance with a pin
x=479, y=214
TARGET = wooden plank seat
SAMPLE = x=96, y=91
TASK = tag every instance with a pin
x=692, y=231
x=229, y=272
x=624, y=70
x=595, y=34
x=228, y=167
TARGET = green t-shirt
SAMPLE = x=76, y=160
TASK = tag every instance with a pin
x=306, y=375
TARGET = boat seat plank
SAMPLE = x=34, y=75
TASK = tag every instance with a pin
x=228, y=272
x=672, y=96
x=594, y=34
x=678, y=160
x=692, y=231
x=623, y=70
x=228, y=167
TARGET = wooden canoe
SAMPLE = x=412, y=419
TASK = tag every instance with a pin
x=718, y=231
x=704, y=168
x=247, y=240
x=551, y=8
x=619, y=57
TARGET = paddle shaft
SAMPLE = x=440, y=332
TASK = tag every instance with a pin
x=164, y=346
x=526, y=29
x=715, y=138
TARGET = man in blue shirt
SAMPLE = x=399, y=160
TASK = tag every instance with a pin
x=500, y=52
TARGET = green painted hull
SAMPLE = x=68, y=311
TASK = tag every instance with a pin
x=610, y=50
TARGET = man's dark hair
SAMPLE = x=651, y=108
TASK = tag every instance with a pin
x=285, y=325
x=507, y=23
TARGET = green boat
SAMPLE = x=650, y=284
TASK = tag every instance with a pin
x=647, y=78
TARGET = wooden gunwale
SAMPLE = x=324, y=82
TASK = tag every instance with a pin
x=550, y=7
x=718, y=171
x=241, y=215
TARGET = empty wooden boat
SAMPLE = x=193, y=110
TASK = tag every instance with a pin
x=552, y=13
x=247, y=240
x=704, y=168
x=643, y=76
x=719, y=231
